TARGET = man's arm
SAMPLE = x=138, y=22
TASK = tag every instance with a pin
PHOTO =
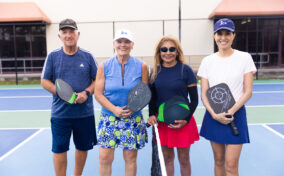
x=48, y=85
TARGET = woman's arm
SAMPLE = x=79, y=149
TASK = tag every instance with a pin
x=248, y=84
x=193, y=94
x=204, y=87
x=192, y=90
x=145, y=73
x=99, y=94
x=152, y=106
x=99, y=89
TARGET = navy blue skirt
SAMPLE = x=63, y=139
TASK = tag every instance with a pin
x=220, y=133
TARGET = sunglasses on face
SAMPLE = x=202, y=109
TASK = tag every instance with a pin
x=165, y=49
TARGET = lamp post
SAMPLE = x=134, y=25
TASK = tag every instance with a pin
x=179, y=20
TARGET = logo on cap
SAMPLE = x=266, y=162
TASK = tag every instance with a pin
x=123, y=33
x=224, y=23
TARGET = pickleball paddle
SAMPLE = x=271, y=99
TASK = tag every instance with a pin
x=221, y=100
x=176, y=108
x=138, y=97
x=65, y=91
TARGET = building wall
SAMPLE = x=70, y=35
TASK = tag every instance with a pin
x=147, y=19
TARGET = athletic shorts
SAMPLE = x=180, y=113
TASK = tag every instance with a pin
x=83, y=130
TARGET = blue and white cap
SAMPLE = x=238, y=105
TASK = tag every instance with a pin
x=123, y=33
x=224, y=23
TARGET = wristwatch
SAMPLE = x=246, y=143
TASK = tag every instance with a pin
x=87, y=92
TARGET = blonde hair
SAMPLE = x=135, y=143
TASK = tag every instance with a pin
x=157, y=57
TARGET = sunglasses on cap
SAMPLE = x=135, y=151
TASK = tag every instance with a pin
x=165, y=49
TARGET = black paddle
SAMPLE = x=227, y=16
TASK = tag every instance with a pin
x=65, y=91
x=221, y=100
x=138, y=97
x=176, y=108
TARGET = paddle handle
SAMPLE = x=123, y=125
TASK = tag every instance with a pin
x=233, y=126
x=160, y=153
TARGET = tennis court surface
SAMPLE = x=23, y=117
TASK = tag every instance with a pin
x=25, y=137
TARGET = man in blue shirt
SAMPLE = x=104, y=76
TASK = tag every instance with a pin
x=78, y=68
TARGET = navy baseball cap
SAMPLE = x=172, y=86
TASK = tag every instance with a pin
x=224, y=23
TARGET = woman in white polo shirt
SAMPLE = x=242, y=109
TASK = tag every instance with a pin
x=236, y=69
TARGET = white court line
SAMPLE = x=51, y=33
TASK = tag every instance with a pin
x=267, y=83
x=25, y=128
x=274, y=131
x=256, y=92
x=247, y=106
x=260, y=124
x=96, y=109
x=15, y=88
x=26, y=110
x=256, y=124
x=263, y=106
x=47, y=96
x=21, y=144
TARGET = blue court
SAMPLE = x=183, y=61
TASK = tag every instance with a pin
x=26, y=151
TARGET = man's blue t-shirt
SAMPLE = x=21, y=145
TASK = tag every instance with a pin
x=79, y=70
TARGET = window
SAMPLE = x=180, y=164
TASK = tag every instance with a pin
x=30, y=47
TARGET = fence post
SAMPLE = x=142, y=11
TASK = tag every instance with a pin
x=15, y=53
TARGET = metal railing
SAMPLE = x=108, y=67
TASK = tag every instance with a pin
x=264, y=58
x=25, y=65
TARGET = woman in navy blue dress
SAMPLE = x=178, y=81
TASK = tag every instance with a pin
x=236, y=69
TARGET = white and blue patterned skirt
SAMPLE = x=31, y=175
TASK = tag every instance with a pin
x=127, y=133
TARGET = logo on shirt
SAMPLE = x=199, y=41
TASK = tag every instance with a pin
x=82, y=65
